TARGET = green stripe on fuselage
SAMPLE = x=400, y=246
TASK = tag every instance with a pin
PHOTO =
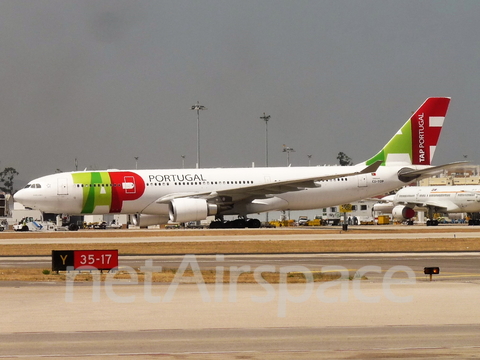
x=97, y=190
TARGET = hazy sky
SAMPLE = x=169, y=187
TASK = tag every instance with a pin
x=106, y=81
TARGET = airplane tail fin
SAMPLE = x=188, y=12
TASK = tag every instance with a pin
x=416, y=141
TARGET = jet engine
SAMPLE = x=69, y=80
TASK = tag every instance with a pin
x=383, y=207
x=401, y=212
x=188, y=209
x=143, y=221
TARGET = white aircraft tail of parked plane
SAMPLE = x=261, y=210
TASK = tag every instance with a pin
x=434, y=199
x=182, y=195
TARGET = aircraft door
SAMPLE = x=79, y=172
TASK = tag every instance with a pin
x=362, y=180
x=62, y=186
x=129, y=185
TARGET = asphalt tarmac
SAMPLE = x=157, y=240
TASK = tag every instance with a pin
x=394, y=312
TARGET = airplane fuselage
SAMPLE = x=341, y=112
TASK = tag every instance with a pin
x=194, y=194
x=138, y=191
x=451, y=198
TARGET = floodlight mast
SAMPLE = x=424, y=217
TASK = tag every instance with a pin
x=288, y=150
x=198, y=107
x=266, y=118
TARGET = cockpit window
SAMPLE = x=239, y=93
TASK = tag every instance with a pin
x=28, y=185
x=33, y=186
x=38, y=186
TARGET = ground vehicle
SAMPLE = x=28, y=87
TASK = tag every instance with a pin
x=102, y=225
x=302, y=221
x=282, y=223
x=316, y=222
x=29, y=224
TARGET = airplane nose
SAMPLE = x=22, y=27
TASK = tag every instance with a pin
x=20, y=196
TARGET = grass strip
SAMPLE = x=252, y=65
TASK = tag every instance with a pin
x=254, y=247
x=166, y=276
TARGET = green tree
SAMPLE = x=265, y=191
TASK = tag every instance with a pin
x=6, y=179
x=343, y=159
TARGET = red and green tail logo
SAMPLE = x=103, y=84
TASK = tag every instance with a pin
x=416, y=141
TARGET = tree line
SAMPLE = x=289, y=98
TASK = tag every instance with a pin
x=6, y=179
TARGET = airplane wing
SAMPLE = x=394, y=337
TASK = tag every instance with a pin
x=440, y=206
x=263, y=190
x=408, y=175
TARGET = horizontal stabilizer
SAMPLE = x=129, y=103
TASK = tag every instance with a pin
x=408, y=175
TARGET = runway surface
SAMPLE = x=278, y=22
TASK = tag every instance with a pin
x=426, y=321
x=402, y=315
x=453, y=266
x=298, y=233
x=379, y=342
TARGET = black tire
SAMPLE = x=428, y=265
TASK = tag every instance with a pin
x=216, y=225
x=253, y=223
x=73, y=227
x=237, y=224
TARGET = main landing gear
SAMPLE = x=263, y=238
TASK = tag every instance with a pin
x=240, y=223
x=431, y=212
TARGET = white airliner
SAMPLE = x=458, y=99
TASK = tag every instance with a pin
x=182, y=195
x=434, y=199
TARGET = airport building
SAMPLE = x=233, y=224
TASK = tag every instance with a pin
x=469, y=176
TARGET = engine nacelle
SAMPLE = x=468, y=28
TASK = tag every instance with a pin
x=383, y=207
x=143, y=221
x=401, y=212
x=188, y=209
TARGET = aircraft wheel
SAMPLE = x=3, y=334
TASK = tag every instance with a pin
x=253, y=223
x=216, y=225
x=73, y=227
x=239, y=224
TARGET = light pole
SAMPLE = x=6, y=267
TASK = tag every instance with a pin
x=136, y=162
x=288, y=150
x=309, y=158
x=183, y=161
x=266, y=118
x=198, y=107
